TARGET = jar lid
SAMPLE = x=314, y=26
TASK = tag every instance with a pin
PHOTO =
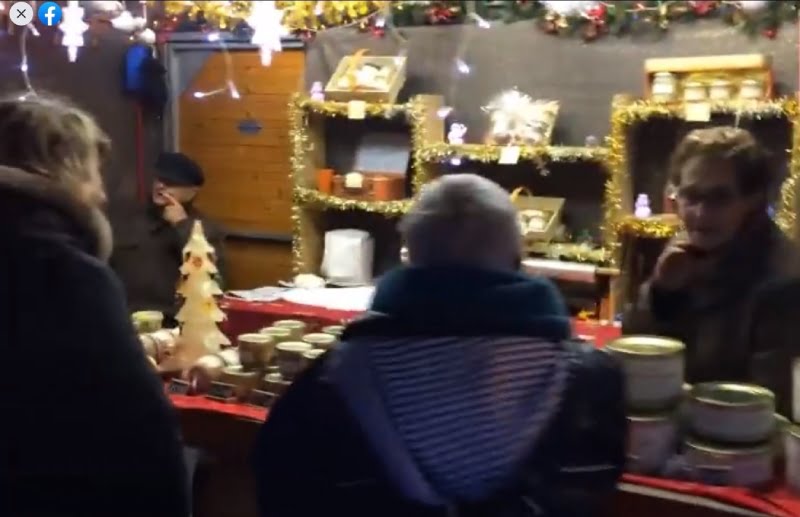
x=644, y=346
x=693, y=443
x=720, y=82
x=732, y=395
x=693, y=84
x=751, y=82
x=662, y=74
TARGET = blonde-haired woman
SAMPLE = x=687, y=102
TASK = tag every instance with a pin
x=86, y=427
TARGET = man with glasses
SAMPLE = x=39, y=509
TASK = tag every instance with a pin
x=708, y=278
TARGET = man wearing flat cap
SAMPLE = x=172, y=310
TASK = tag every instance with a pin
x=148, y=254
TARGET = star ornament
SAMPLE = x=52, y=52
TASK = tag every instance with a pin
x=267, y=23
x=73, y=27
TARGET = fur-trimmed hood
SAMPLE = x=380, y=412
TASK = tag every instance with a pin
x=34, y=205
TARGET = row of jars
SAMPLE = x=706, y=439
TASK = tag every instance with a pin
x=665, y=89
x=267, y=360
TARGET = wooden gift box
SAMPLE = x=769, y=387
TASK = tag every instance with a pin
x=334, y=91
x=379, y=169
x=704, y=69
x=369, y=187
x=549, y=207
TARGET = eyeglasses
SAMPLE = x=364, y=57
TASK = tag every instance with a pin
x=713, y=198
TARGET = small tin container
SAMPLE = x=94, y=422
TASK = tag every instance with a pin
x=147, y=321
x=313, y=354
x=274, y=383
x=291, y=358
x=652, y=441
x=334, y=330
x=738, y=414
x=208, y=369
x=245, y=382
x=322, y=341
x=255, y=350
x=296, y=327
x=750, y=467
x=782, y=428
x=796, y=390
x=720, y=90
x=653, y=369
x=751, y=90
x=793, y=459
x=278, y=334
x=664, y=87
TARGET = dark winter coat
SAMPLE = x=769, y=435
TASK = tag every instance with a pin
x=457, y=394
x=148, y=254
x=86, y=428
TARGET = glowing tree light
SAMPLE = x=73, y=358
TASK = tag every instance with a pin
x=73, y=28
x=266, y=21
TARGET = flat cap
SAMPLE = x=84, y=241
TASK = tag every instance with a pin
x=177, y=169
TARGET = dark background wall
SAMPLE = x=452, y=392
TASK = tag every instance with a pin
x=583, y=77
x=94, y=82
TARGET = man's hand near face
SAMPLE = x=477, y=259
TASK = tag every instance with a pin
x=173, y=213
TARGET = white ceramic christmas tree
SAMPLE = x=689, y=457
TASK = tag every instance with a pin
x=200, y=313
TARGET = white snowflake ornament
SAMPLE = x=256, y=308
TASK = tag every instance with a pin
x=73, y=27
x=266, y=20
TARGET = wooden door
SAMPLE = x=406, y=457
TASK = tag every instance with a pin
x=243, y=146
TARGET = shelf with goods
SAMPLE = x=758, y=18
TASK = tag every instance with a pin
x=527, y=165
x=324, y=132
x=585, y=268
x=644, y=135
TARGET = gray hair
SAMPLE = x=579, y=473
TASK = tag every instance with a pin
x=463, y=219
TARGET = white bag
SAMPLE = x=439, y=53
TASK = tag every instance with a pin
x=348, y=257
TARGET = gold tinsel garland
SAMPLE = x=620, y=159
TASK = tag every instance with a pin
x=491, y=153
x=625, y=114
x=314, y=198
x=302, y=16
x=299, y=108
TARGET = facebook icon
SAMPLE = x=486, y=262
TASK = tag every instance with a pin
x=50, y=13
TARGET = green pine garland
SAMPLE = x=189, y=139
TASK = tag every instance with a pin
x=615, y=18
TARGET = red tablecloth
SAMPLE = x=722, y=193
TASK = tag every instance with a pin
x=248, y=316
x=244, y=317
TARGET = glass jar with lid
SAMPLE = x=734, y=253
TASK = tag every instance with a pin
x=694, y=91
x=720, y=90
x=751, y=90
x=664, y=87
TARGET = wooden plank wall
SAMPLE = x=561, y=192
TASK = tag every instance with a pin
x=247, y=175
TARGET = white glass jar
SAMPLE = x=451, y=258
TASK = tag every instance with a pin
x=720, y=90
x=751, y=90
x=694, y=92
x=664, y=87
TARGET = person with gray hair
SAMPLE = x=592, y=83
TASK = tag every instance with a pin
x=459, y=393
x=464, y=219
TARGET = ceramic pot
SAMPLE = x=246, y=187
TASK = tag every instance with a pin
x=653, y=369
x=720, y=90
x=750, y=467
x=291, y=358
x=652, y=441
x=322, y=341
x=694, y=92
x=751, y=90
x=297, y=327
x=738, y=414
x=255, y=351
x=664, y=87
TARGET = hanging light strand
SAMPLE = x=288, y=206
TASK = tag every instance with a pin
x=23, y=64
x=230, y=84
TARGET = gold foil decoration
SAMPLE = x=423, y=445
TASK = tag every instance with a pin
x=625, y=113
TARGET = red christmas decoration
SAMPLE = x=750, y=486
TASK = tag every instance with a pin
x=770, y=33
x=597, y=13
x=702, y=7
x=438, y=14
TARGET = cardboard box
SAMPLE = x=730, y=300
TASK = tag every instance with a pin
x=335, y=91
